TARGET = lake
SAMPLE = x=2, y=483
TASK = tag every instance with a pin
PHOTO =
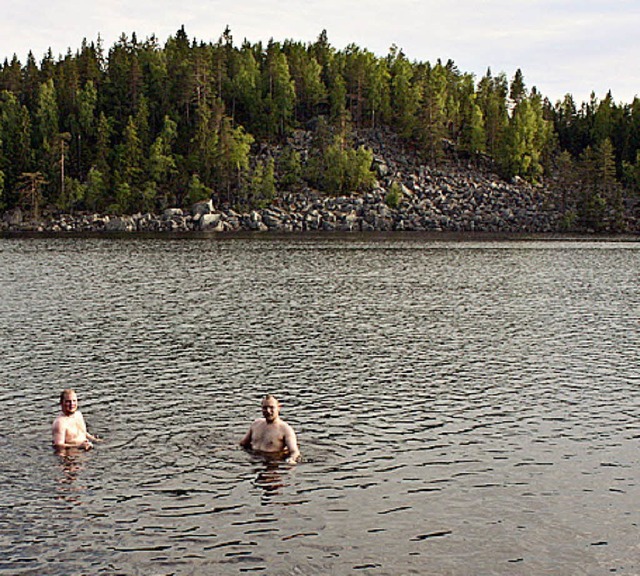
x=464, y=406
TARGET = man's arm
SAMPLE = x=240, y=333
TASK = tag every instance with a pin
x=91, y=437
x=246, y=441
x=291, y=442
x=58, y=434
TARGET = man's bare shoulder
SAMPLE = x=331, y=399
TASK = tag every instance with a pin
x=286, y=425
x=60, y=421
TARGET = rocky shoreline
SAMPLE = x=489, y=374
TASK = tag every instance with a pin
x=456, y=196
x=434, y=203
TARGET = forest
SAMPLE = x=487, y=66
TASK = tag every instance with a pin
x=142, y=126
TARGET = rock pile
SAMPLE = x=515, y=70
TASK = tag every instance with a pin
x=455, y=196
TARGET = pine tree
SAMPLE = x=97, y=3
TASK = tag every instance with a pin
x=306, y=73
x=11, y=76
x=279, y=92
x=129, y=175
x=232, y=159
x=48, y=139
x=245, y=87
x=492, y=94
x=517, y=90
x=204, y=143
x=162, y=164
x=404, y=95
x=15, y=133
x=85, y=132
x=30, y=192
x=432, y=111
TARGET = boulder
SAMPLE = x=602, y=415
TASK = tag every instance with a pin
x=209, y=221
x=172, y=213
x=120, y=224
x=204, y=207
x=13, y=217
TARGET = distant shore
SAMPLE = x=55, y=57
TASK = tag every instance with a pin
x=455, y=196
x=437, y=203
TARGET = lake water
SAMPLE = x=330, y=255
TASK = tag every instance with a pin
x=463, y=407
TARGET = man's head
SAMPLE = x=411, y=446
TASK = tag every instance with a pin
x=68, y=401
x=270, y=408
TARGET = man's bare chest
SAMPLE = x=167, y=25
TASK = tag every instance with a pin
x=270, y=438
x=73, y=427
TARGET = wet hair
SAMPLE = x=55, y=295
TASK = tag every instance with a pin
x=66, y=392
x=270, y=397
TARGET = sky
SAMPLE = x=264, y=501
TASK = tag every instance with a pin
x=561, y=46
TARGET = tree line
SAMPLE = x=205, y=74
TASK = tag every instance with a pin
x=144, y=125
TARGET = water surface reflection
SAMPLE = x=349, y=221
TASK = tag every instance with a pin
x=462, y=407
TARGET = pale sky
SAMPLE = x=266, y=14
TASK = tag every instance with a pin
x=561, y=46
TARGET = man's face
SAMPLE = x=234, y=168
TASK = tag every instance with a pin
x=69, y=404
x=270, y=409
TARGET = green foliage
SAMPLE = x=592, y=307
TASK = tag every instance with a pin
x=432, y=116
x=245, y=87
x=162, y=165
x=340, y=169
x=260, y=190
x=204, y=142
x=124, y=199
x=525, y=140
x=471, y=135
x=394, y=195
x=72, y=195
x=232, y=157
x=290, y=166
x=129, y=166
x=404, y=93
x=3, y=203
x=30, y=192
x=197, y=191
x=15, y=133
x=143, y=119
x=47, y=118
x=279, y=92
x=492, y=99
x=87, y=99
x=566, y=182
x=306, y=73
x=631, y=173
x=96, y=190
x=148, y=197
x=517, y=90
x=569, y=220
x=600, y=202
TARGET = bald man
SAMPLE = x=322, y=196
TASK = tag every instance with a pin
x=271, y=434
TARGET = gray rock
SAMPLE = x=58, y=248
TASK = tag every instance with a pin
x=171, y=213
x=209, y=222
x=120, y=224
x=13, y=217
x=204, y=207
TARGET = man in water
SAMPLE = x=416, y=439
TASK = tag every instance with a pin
x=69, y=428
x=270, y=434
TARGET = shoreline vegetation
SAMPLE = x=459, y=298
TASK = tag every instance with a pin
x=406, y=196
x=293, y=137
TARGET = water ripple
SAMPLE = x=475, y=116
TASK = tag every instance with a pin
x=458, y=404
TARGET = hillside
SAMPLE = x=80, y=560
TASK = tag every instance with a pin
x=457, y=195
x=300, y=136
